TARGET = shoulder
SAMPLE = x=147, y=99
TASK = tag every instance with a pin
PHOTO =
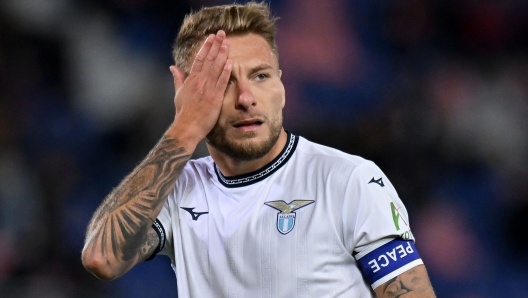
x=202, y=163
x=332, y=167
x=324, y=156
x=196, y=169
x=195, y=172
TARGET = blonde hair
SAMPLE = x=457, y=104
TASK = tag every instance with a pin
x=234, y=19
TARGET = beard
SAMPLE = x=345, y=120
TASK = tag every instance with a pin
x=245, y=149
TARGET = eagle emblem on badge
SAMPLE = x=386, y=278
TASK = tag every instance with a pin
x=286, y=216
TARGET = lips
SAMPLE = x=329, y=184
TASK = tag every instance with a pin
x=248, y=122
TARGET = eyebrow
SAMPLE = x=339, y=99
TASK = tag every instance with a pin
x=254, y=70
x=259, y=68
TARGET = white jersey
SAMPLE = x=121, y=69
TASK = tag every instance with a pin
x=314, y=222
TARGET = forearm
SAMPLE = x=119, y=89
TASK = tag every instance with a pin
x=116, y=238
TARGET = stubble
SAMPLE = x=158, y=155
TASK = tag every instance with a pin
x=245, y=149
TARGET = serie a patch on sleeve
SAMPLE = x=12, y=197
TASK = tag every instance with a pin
x=388, y=261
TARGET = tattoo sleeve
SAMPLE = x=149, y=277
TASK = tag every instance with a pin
x=120, y=230
x=412, y=283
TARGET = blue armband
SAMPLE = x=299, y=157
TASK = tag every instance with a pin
x=388, y=261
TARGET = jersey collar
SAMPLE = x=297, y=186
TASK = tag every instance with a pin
x=265, y=171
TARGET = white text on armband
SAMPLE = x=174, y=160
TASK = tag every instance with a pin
x=388, y=258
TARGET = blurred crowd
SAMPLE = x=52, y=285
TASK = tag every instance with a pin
x=434, y=91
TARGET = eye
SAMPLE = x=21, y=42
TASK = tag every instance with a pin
x=261, y=76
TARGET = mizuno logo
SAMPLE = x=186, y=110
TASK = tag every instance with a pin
x=286, y=216
x=377, y=181
x=194, y=215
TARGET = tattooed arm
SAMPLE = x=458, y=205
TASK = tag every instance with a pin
x=120, y=233
x=413, y=283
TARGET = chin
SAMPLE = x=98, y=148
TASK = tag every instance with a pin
x=249, y=145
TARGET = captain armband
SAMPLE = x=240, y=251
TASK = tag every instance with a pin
x=388, y=261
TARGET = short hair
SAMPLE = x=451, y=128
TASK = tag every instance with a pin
x=234, y=19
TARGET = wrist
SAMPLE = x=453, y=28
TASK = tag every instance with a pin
x=186, y=137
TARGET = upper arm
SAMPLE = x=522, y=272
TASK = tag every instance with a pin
x=411, y=283
x=381, y=236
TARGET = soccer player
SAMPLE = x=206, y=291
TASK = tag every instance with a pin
x=268, y=213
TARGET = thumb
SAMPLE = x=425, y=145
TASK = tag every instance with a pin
x=178, y=77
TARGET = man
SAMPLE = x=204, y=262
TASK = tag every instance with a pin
x=268, y=214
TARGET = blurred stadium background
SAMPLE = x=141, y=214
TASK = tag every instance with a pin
x=434, y=91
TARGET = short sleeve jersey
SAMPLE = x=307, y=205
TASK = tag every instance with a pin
x=314, y=222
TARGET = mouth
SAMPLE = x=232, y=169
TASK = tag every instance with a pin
x=248, y=124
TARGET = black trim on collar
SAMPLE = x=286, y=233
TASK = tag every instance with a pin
x=265, y=171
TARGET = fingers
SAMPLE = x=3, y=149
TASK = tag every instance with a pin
x=212, y=56
x=219, y=63
x=178, y=77
x=223, y=80
x=206, y=56
x=210, y=66
x=202, y=53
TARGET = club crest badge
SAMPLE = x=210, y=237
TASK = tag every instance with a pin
x=286, y=216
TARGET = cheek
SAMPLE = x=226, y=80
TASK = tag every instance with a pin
x=227, y=104
x=274, y=97
x=222, y=117
x=276, y=107
x=280, y=93
x=279, y=101
x=229, y=94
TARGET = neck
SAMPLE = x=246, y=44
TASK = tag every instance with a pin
x=230, y=166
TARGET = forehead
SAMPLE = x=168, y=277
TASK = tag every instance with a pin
x=250, y=47
x=244, y=48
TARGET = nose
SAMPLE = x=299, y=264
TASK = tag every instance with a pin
x=245, y=98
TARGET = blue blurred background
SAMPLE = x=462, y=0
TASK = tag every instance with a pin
x=435, y=92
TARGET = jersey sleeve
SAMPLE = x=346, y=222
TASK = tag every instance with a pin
x=381, y=239
x=164, y=228
x=164, y=220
